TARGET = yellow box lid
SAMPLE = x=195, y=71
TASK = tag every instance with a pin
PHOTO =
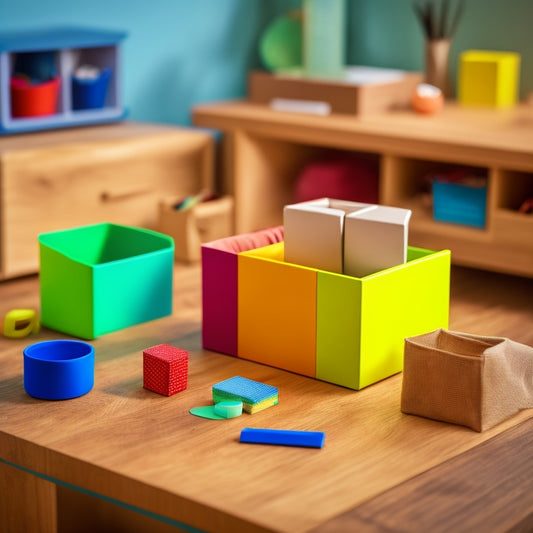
x=489, y=56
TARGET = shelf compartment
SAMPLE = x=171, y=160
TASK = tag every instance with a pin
x=70, y=48
x=408, y=182
x=34, y=84
x=459, y=203
x=509, y=224
x=273, y=184
x=513, y=189
x=101, y=91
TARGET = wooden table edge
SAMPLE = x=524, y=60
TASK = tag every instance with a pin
x=486, y=488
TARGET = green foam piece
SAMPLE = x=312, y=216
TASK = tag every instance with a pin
x=229, y=409
x=219, y=411
x=206, y=411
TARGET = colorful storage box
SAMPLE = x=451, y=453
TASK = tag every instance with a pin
x=459, y=203
x=341, y=329
x=488, y=78
x=101, y=278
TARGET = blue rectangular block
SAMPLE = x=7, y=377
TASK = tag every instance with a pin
x=309, y=439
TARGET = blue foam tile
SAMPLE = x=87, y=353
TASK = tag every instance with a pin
x=283, y=437
x=245, y=389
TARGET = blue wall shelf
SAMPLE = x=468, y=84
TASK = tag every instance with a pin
x=55, y=55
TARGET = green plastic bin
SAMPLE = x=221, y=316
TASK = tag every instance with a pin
x=105, y=277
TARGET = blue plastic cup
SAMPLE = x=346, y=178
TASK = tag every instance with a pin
x=59, y=369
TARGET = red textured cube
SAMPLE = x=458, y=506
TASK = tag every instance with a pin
x=165, y=369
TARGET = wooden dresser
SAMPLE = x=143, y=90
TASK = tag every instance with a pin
x=113, y=173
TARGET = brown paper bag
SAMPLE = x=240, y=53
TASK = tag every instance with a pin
x=471, y=380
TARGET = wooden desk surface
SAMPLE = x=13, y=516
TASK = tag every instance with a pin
x=473, y=135
x=117, y=132
x=379, y=468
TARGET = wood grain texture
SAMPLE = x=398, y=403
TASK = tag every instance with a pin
x=84, y=513
x=27, y=503
x=147, y=451
x=487, y=488
x=465, y=135
x=268, y=148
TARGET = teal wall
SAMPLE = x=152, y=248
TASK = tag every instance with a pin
x=177, y=53
x=182, y=52
x=387, y=33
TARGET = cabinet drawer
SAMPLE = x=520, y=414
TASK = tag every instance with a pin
x=74, y=184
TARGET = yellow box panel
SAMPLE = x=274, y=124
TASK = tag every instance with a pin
x=401, y=302
x=362, y=322
x=338, y=329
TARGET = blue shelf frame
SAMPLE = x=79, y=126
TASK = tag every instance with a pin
x=72, y=46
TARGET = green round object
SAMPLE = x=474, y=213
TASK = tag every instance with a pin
x=229, y=409
x=280, y=46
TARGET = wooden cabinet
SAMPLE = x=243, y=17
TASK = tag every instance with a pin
x=115, y=173
x=264, y=151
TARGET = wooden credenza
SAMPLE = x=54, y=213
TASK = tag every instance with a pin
x=114, y=173
x=264, y=151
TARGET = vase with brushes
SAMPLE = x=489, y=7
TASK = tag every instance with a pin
x=439, y=23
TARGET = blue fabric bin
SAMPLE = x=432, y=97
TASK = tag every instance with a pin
x=459, y=203
x=90, y=93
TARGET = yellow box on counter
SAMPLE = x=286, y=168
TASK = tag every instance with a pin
x=488, y=78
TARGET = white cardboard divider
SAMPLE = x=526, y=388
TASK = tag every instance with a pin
x=350, y=238
x=314, y=232
x=375, y=240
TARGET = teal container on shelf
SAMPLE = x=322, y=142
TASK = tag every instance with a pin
x=105, y=277
x=458, y=203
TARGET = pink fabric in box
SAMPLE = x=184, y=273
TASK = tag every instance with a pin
x=219, y=286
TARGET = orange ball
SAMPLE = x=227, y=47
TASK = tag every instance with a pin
x=427, y=99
